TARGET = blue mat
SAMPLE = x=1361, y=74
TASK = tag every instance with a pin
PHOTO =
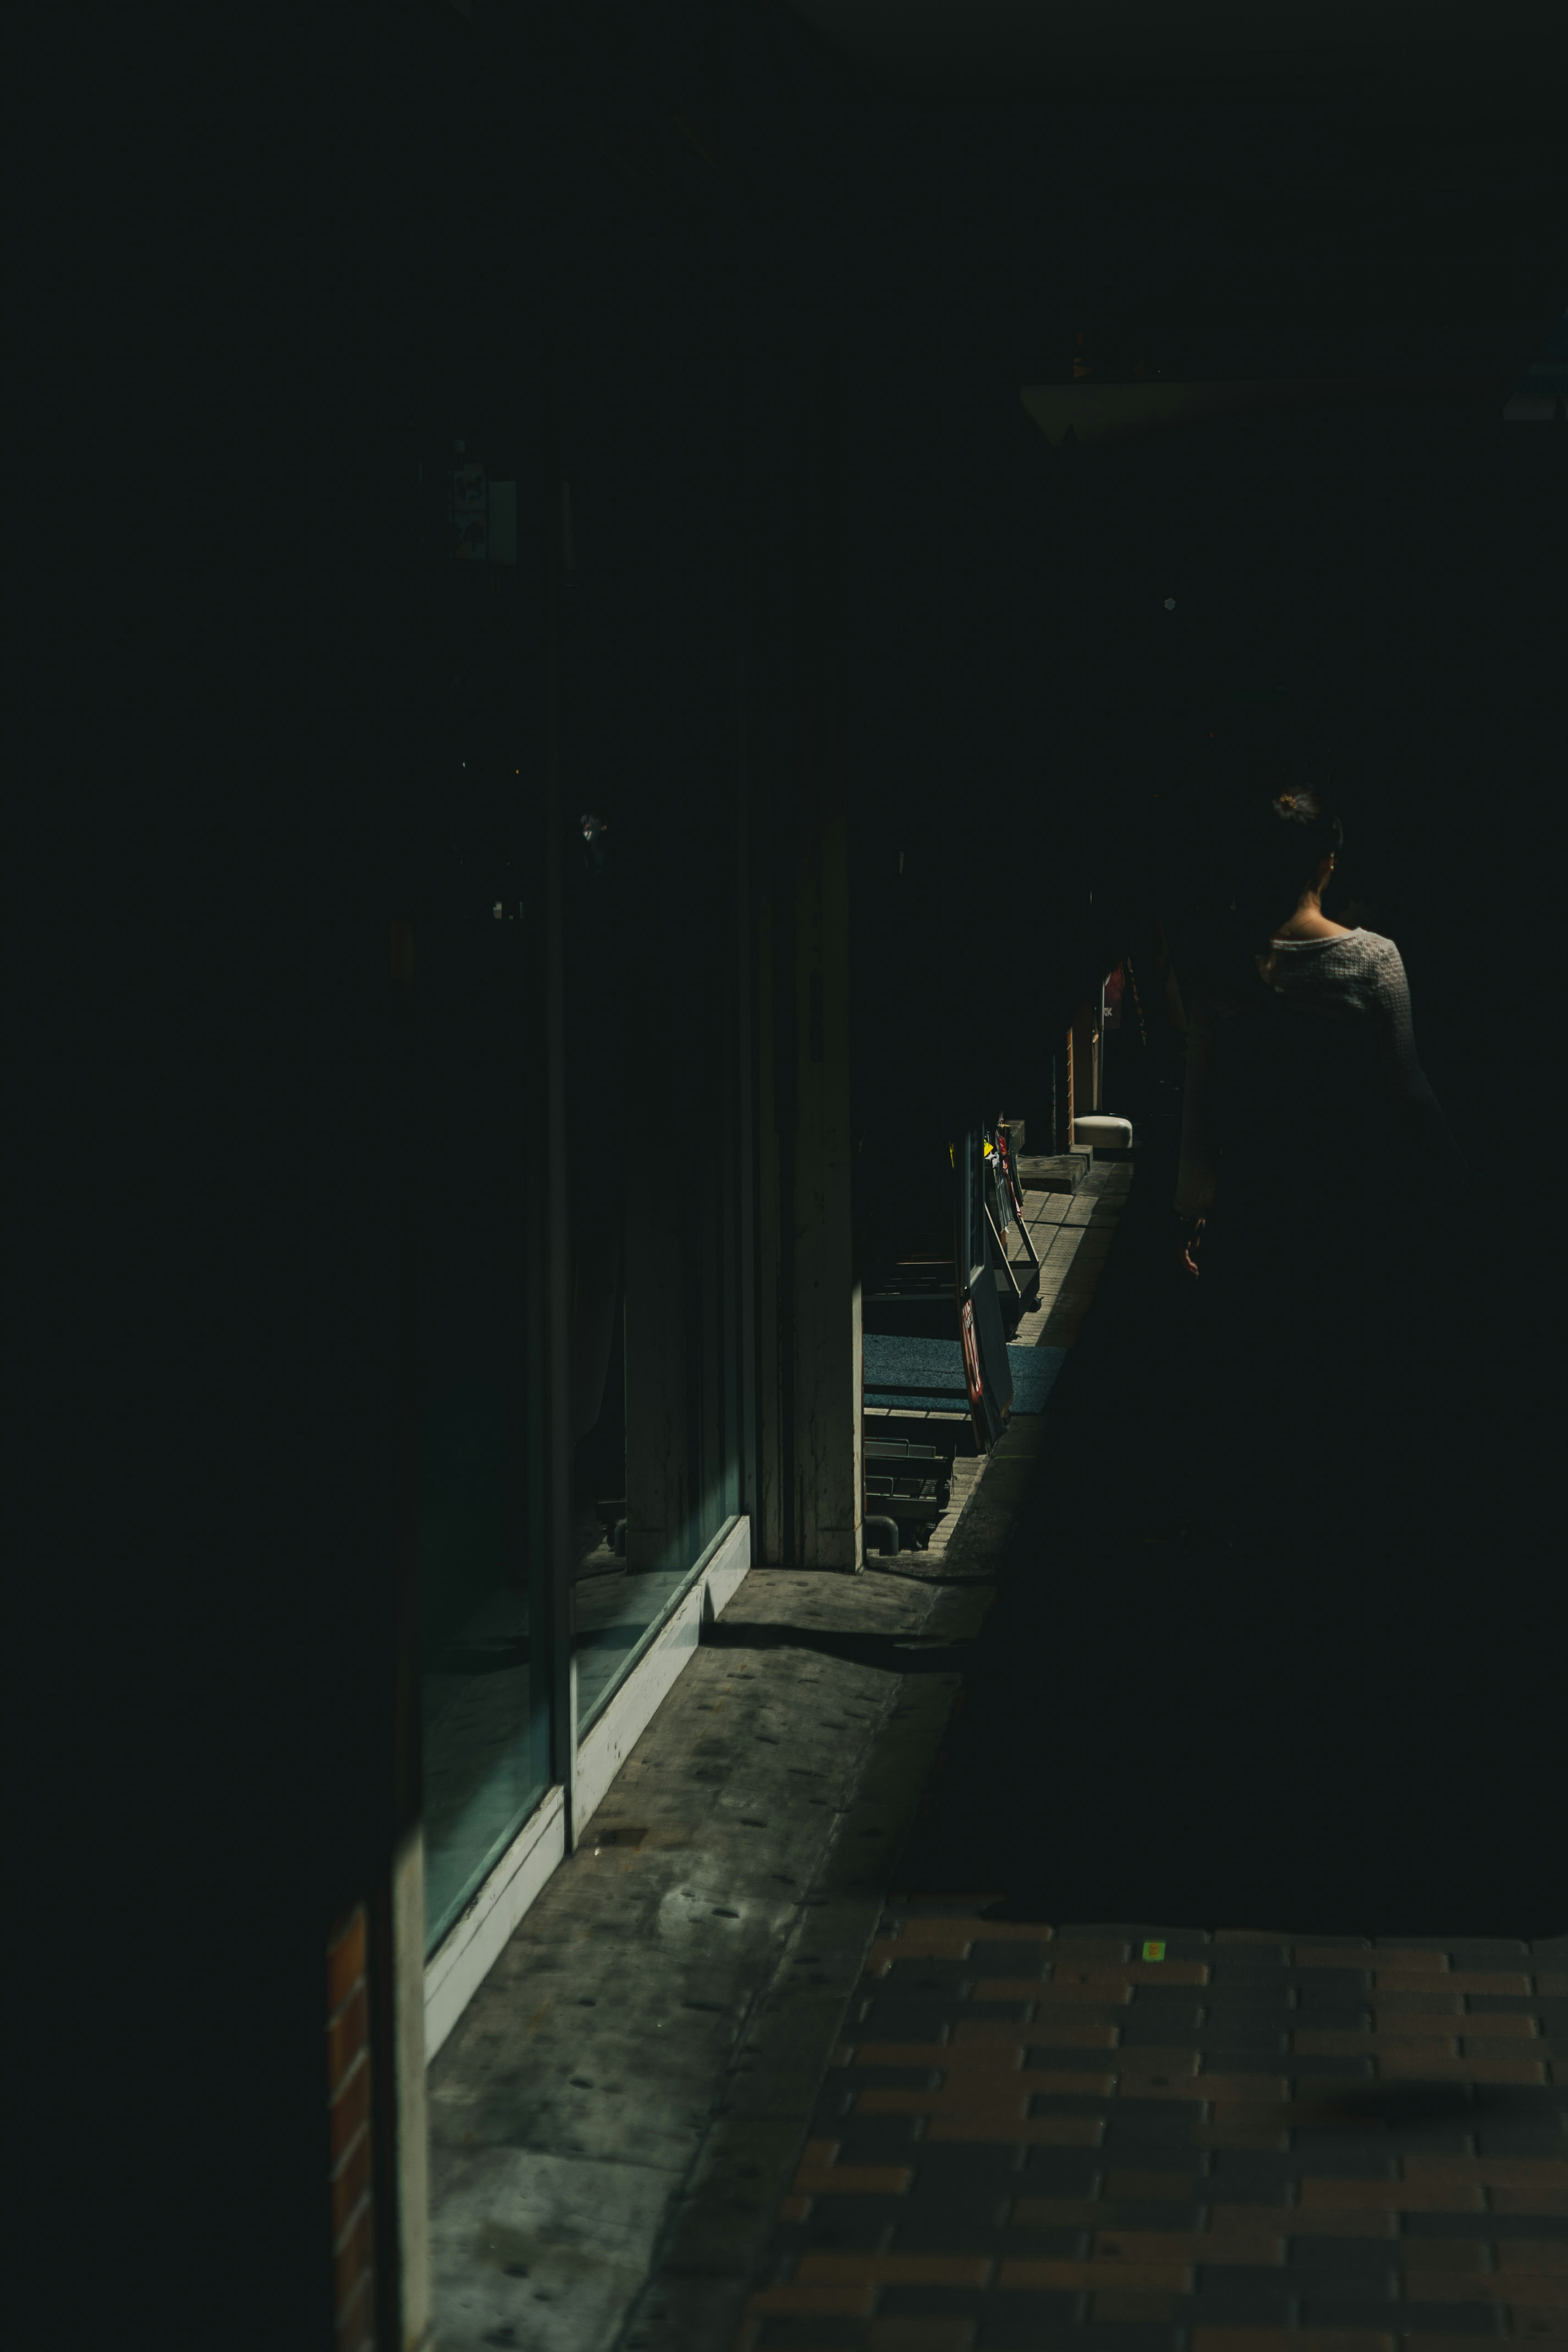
x=928, y=1374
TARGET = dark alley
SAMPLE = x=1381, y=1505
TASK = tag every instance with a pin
x=785, y=1287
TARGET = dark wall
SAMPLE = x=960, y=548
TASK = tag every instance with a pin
x=228, y=717
x=272, y=1215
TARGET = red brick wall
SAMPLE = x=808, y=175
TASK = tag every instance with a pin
x=349, y=2117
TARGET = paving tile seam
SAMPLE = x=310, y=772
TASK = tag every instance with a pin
x=1262, y=2239
x=819, y=2269
x=1066, y=2029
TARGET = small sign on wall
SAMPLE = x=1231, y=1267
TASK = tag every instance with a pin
x=503, y=523
x=484, y=516
x=471, y=515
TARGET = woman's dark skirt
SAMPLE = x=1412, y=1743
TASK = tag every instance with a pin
x=1326, y=1456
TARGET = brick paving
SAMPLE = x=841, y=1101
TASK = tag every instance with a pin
x=1148, y=2140
x=1129, y=2138
x=1139, y=2137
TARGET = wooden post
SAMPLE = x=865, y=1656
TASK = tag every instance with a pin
x=828, y=1392
x=1084, y=1089
x=809, y=1303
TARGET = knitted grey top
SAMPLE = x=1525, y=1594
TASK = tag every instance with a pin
x=1357, y=980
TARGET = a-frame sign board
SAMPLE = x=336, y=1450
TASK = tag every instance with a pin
x=987, y=1374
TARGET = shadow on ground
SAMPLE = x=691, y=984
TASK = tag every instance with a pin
x=1310, y=1698
x=890, y=1653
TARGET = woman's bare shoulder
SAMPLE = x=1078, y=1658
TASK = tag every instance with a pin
x=1315, y=927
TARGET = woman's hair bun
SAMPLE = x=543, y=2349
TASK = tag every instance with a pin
x=1277, y=849
x=1308, y=811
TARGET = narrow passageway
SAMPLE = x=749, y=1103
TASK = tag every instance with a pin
x=1220, y=1993
x=717, y=1723
x=1116, y=1912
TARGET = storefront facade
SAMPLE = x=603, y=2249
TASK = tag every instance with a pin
x=624, y=1142
x=580, y=1199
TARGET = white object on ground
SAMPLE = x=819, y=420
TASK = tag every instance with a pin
x=1111, y=1134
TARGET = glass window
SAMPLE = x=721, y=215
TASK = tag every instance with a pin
x=608, y=1611
x=483, y=1558
x=596, y=538
x=487, y=1720
x=651, y=945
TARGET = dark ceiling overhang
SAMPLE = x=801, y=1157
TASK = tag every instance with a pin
x=1420, y=63
x=1442, y=195
x=1097, y=414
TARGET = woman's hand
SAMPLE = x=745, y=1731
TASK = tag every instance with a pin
x=1190, y=1240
